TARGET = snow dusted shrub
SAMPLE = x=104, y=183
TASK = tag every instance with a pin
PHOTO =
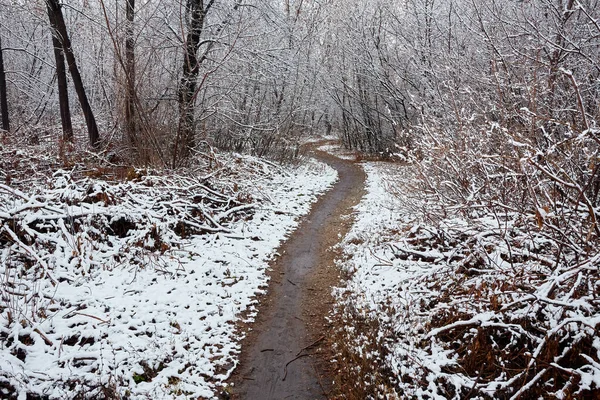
x=456, y=294
x=519, y=317
x=517, y=329
x=511, y=190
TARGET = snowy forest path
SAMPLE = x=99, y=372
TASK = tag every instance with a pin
x=285, y=354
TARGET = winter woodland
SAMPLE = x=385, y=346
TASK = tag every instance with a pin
x=153, y=156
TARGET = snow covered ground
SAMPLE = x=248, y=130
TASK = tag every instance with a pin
x=134, y=287
x=454, y=306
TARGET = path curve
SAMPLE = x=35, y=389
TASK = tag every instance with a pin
x=276, y=363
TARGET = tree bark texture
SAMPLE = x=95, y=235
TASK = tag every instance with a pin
x=3, y=94
x=189, y=81
x=61, y=79
x=55, y=14
x=130, y=117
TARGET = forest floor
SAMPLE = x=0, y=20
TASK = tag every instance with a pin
x=122, y=283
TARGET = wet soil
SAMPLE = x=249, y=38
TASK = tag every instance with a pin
x=285, y=353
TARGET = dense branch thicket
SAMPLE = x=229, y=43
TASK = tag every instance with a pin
x=167, y=75
x=495, y=103
x=454, y=73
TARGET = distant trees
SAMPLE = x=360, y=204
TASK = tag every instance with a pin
x=257, y=75
x=405, y=69
x=368, y=78
x=278, y=97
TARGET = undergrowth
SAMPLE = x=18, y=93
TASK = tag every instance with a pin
x=69, y=222
x=471, y=292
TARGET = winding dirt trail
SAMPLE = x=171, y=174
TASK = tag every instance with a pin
x=284, y=355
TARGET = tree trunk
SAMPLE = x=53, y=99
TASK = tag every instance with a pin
x=189, y=81
x=3, y=94
x=55, y=13
x=61, y=78
x=130, y=117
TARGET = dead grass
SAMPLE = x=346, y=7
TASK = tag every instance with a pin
x=359, y=375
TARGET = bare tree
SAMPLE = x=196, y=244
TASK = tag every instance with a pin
x=61, y=79
x=130, y=97
x=188, y=88
x=195, y=16
x=3, y=94
x=58, y=24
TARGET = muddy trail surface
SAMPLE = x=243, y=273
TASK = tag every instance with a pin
x=284, y=355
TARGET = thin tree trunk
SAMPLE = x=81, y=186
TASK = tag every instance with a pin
x=61, y=78
x=189, y=81
x=54, y=11
x=3, y=94
x=130, y=117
